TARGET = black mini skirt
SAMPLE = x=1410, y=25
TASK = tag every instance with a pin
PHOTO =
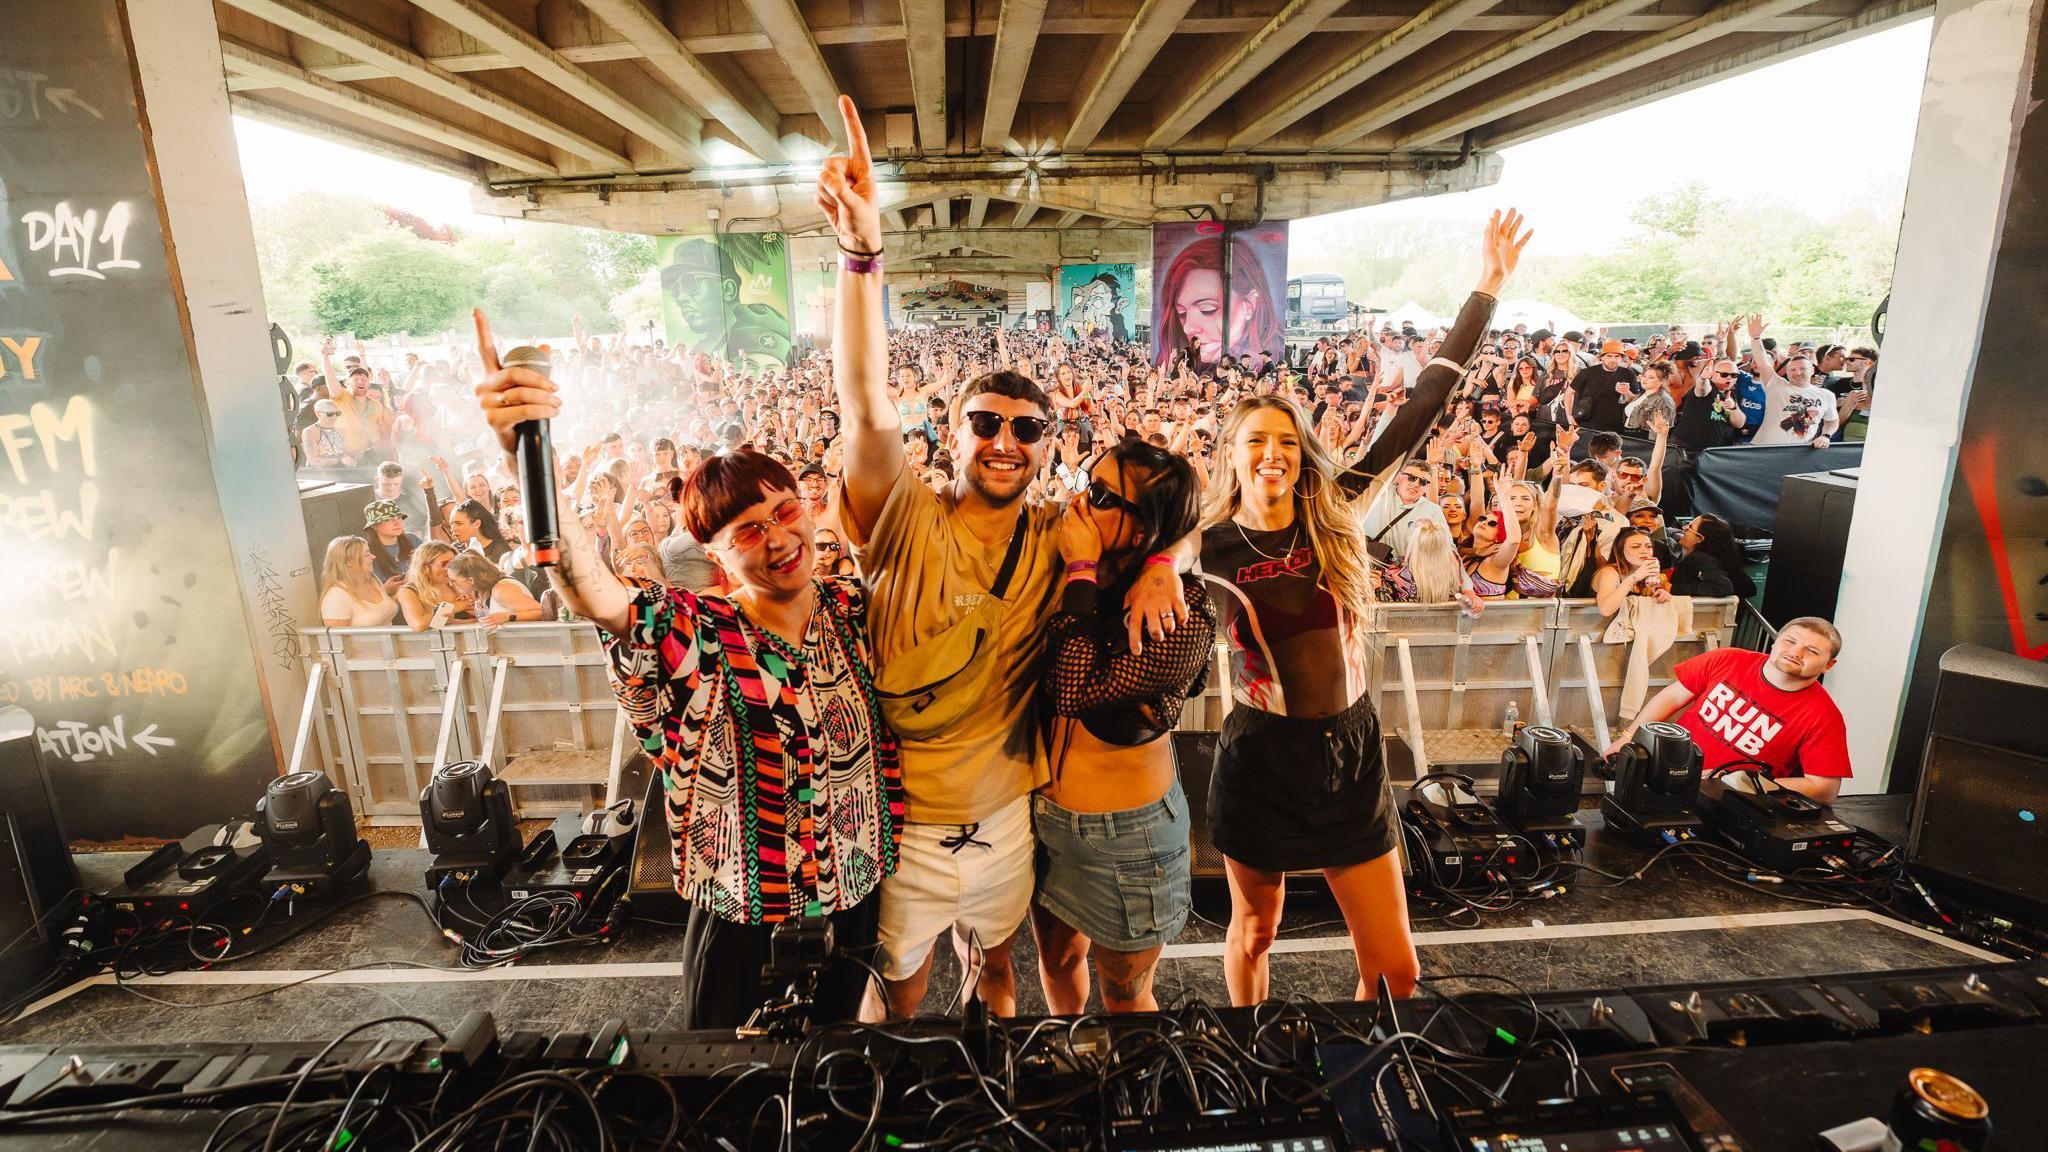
x=1294, y=795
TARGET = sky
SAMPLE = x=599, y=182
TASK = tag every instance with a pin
x=1852, y=107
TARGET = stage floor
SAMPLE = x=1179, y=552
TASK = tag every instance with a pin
x=1676, y=925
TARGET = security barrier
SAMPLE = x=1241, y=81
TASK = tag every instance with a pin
x=386, y=706
x=1443, y=680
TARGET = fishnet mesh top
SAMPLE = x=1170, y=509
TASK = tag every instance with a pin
x=1091, y=674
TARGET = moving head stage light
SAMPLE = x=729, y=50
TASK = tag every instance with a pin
x=1656, y=781
x=310, y=829
x=1540, y=779
x=466, y=812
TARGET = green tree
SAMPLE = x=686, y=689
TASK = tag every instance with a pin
x=391, y=282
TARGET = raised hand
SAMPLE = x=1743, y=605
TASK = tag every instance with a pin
x=1502, y=249
x=1756, y=326
x=846, y=187
x=510, y=396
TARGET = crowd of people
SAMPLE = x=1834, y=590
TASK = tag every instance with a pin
x=903, y=623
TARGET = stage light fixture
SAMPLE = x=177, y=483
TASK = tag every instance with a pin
x=309, y=827
x=1540, y=778
x=1656, y=782
x=466, y=813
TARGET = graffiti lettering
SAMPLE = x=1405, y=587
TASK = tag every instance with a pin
x=143, y=680
x=74, y=426
x=90, y=639
x=71, y=236
x=37, y=516
x=79, y=742
x=22, y=91
x=24, y=353
x=68, y=581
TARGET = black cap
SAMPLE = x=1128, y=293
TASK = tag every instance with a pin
x=1540, y=335
x=1687, y=354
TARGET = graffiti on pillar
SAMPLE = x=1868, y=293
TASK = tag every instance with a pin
x=125, y=634
x=82, y=243
x=727, y=295
x=1099, y=301
x=1189, y=271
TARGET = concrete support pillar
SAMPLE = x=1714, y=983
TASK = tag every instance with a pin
x=150, y=535
x=1940, y=554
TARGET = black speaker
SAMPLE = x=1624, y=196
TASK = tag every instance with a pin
x=1194, y=757
x=332, y=508
x=651, y=873
x=1980, y=817
x=1808, y=541
x=36, y=869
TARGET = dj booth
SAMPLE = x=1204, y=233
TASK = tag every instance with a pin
x=1634, y=988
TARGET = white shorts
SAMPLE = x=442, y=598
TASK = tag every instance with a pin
x=979, y=882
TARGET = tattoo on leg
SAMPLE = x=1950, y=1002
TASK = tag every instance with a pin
x=1124, y=979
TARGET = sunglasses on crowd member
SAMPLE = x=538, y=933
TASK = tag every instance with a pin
x=826, y=545
x=748, y=537
x=1102, y=499
x=989, y=425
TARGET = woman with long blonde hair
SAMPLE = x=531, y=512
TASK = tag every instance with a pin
x=350, y=596
x=1299, y=783
x=429, y=598
x=1431, y=573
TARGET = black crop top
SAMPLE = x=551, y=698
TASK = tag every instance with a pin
x=1121, y=698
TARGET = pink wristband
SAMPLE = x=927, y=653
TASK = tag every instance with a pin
x=860, y=265
x=1081, y=570
x=1161, y=558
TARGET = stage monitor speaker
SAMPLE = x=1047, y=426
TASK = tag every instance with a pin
x=331, y=509
x=651, y=872
x=1980, y=817
x=1807, y=545
x=1194, y=757
x=36, y=869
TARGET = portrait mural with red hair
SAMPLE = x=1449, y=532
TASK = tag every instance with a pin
x=1190, y=271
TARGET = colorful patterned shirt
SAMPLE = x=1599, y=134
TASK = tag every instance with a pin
x=783, y=783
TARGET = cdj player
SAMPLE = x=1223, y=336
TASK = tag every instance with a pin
x=1628, y=1122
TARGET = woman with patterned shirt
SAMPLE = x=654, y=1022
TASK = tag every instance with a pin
x=782, y=780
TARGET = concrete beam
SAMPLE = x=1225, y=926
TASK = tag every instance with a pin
x=1261, y=124
x=263, y=111
x=1016, y=35
x=798, y=49
x=977, y=211
x=746, y=115
x=1025, y=211
x=1105, y=188
x=1287, y=28
x=896, y=221
x=1581, y=18
x=1117, y=67
x=1543, y=120
x=315, y=23
x=942, y=212
x=1616, y=61
x=523, y=49
x=924, y=23
x=1069, y=220
x=286, y=75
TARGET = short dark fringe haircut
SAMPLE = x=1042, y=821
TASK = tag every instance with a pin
x=724, y=486
x=1013, y=385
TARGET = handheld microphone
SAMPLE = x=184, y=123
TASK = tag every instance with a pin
x=536, y=454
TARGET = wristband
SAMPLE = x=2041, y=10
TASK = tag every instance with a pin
x=1161, y=558
x=860, y=265
x=1081, y=570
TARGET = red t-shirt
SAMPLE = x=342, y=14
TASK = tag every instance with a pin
x=1736, y=714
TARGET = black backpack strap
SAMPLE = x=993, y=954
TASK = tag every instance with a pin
x=1011, y=557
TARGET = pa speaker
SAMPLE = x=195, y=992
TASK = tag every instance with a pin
x=1980, y=817
x=1194, y=757
x=36, y=870
x=651, y=872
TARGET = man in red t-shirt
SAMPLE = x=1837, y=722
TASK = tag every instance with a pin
x=1751, y=706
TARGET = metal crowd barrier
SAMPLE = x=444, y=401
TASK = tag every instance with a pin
x=385, y=707
x=1443, y=680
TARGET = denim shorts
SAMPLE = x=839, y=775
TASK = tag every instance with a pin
x=1119, y=878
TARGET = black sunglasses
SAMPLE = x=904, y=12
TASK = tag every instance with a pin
x=1102, y=499
x=989, y=425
